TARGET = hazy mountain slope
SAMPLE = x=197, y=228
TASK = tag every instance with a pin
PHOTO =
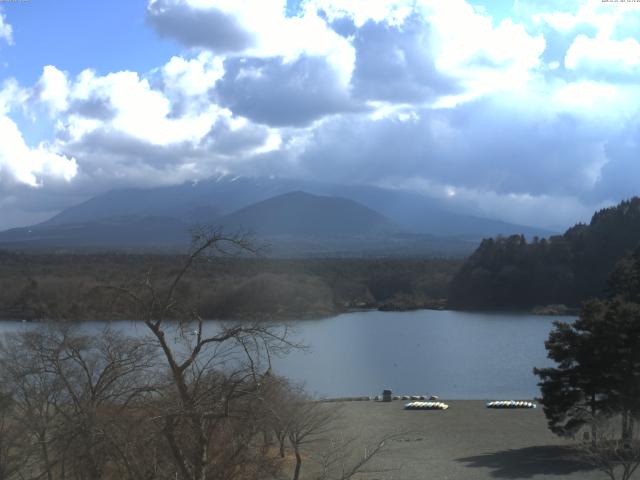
x=128, y=231
x=205, y=201
x=303, y=214
x=420, y=214
x=295, y=224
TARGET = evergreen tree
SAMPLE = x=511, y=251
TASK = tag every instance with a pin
x=598, y=360
x=577, y=389
x=508, y=272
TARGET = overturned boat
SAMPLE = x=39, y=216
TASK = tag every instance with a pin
x=510, y=404
x=426, y=406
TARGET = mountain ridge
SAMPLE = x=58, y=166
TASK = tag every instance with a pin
x=305, y=214
x=208, y=199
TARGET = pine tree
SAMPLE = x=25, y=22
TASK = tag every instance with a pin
x=598, y=360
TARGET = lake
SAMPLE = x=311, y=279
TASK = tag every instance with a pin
x=456, y=355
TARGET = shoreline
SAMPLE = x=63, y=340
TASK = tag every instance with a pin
x=570, y=312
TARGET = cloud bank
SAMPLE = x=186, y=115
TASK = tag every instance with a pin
x=531, y=118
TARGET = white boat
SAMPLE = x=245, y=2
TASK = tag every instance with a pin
x=426, y=406
x=510, y=404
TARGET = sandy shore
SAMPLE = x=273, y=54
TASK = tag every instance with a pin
x=468, y=441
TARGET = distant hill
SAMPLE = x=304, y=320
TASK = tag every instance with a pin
x=126, y=232
x=510, y=272
x=208, y=200
x=295, y=224
x=421, y=214
x=298, y=218
x=303, y=214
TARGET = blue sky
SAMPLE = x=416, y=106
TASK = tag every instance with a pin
x=74, y=35
x=77, y=34
x=524, y=111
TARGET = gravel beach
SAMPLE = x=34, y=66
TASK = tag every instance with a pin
x=466, y=442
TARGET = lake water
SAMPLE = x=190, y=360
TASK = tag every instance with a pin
x=456, y=355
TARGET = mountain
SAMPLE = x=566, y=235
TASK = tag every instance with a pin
x=298, y=218
x=124, y=231
x=510, y=272
x=208, y=200
x=303, y=214
x=294, y=224
x=421, y=214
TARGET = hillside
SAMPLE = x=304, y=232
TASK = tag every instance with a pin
x=292, y=225
x=303, y=214
x=510, y=272
x=207, y=200
x=126, y=231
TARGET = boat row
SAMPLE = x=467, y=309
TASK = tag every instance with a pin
x=510, y=404
x=381, y=398
x=426, y=406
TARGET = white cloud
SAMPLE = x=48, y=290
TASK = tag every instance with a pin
x=560, y=211
x=27, y=165
x=6, y=31
x=393, y=12
x=272, y=33
x=561, y=21
x=162, y=128
x=12, y=95
x=18, y=161
x=604, y=16
x=53, y=89
x=485, y=57
x=137, y=109
x=192, y=77
x=142, y=111
x=602, y=53
x=463, y=40
x=271, y=94
x=587, y=96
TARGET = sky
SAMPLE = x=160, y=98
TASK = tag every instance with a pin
x=525, y=111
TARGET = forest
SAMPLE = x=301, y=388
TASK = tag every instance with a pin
x=513, y=273
x=75, y=286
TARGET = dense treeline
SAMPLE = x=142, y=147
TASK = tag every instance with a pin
x=71, y=285
x=566, y=269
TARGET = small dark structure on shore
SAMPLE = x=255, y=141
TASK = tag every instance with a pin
x=387, y=395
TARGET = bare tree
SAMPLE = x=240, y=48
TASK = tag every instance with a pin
x=616, y=449
x=307, y=422
x=72, y=393
x=34, y=396
x=12, y=440
x=341, y=461
x=268, y=414
x=310, y=427
x=210, y=371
